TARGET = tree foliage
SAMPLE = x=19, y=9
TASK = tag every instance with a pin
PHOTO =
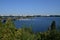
x=53, y=26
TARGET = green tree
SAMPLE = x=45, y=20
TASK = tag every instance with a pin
x=7, y=31
x=1, y=24
x=53, y=26
x=9, y=23
x=53, y=33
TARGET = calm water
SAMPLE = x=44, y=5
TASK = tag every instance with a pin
x=38, y=24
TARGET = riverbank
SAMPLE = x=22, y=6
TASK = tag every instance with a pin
x=24, y=17
x=9, y=32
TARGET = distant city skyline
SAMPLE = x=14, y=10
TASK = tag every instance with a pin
x=29, y=7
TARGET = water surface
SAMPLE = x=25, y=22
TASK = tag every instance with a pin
x=38, y=24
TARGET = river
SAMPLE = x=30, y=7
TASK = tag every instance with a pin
x=38, y=24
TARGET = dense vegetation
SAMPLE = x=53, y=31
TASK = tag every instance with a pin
x=9, y=32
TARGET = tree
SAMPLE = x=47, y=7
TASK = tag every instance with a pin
x=53, y=26
x=0, y=23
x=9, y=23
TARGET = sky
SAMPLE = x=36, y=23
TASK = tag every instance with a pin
x=29, y=7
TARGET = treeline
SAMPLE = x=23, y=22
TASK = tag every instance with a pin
x=9, y=32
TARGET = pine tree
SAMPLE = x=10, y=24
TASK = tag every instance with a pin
x=53, y=26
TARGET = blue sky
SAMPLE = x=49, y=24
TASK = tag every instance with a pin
x=29, y=7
